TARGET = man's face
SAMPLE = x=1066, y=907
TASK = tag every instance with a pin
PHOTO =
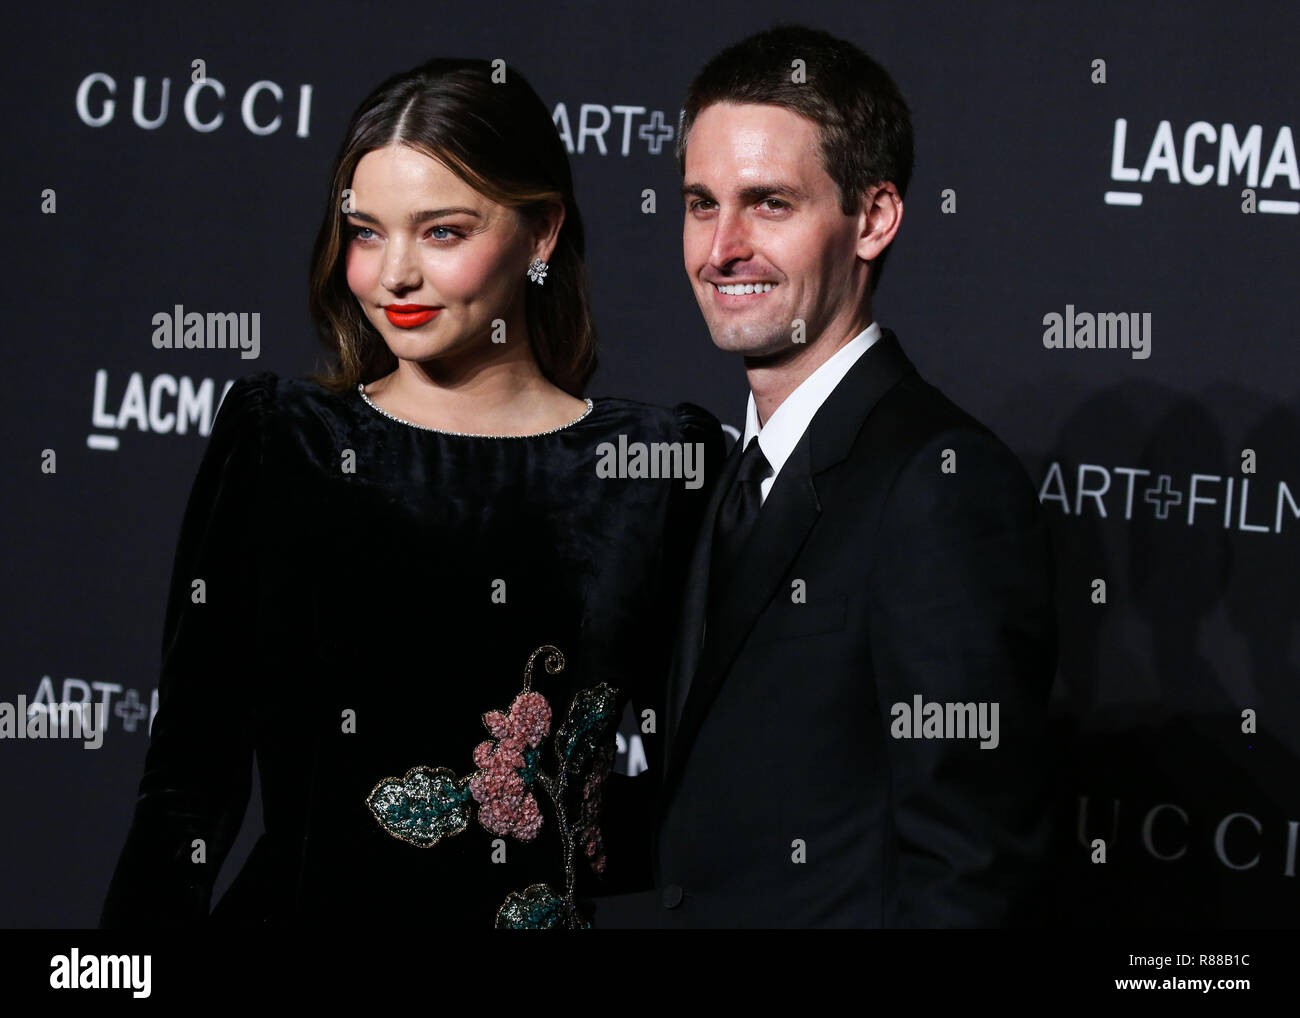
x=761, y=209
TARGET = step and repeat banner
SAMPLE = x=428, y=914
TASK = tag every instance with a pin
x=1083, y=172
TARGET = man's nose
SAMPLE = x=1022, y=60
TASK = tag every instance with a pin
x=731, y=241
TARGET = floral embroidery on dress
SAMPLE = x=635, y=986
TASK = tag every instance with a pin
x=424, y=806
x=593, y=846
x=428, y=804
x=536, y=908
x=508, y=767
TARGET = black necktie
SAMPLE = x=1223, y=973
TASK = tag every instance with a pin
x=737, y=514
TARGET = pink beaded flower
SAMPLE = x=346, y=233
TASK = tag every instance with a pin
x=507, y=767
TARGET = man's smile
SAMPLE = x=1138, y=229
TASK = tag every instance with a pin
x=739, y=294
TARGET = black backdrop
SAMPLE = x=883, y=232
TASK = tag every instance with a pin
x=1012, y=124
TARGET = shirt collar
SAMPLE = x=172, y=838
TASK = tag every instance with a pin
x=778, y=437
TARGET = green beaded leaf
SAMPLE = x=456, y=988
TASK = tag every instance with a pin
x=590, y=717
x=423, y=806
x=535, y=908
x=528, y=772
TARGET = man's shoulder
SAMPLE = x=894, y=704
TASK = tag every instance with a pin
x=912, y=414
x=917, y=430
x=920, y=410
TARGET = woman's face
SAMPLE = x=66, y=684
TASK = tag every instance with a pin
x=431, y=261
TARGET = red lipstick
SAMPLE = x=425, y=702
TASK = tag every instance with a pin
x=408, y=316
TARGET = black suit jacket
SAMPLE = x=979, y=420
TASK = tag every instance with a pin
x=785, y=801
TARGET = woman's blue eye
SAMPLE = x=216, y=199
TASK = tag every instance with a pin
x=366, y=233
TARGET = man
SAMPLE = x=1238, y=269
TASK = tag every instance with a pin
x=857, y=709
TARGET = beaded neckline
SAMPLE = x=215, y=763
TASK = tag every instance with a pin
x=361, y=388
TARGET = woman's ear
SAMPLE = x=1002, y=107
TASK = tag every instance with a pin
x=546, y=230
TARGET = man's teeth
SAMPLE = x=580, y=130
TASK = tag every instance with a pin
x=745, y=288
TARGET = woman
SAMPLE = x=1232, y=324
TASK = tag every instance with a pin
x=412, y=587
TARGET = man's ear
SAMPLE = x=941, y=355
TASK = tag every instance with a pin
x=879, y=216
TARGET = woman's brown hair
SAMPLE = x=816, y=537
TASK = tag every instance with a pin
x=489, y=127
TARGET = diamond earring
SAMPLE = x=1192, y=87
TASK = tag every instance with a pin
x=537, y=272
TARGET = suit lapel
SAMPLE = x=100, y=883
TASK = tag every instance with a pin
x=788, y=515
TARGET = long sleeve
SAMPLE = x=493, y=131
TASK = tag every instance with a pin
x=964, y=614
x=628, y=813
x=699, y=428
x=198, y=766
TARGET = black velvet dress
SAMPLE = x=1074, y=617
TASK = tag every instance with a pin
x=429, y=641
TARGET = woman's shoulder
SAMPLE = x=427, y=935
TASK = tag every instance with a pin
x=266, y=392
x=686, y=421
x=282, y=415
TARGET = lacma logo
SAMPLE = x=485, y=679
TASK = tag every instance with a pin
x=1202, y=154
x=166, y=405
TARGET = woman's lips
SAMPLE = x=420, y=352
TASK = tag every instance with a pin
x=408, y=316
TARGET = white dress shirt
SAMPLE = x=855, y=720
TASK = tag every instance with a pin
x=778, y=437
